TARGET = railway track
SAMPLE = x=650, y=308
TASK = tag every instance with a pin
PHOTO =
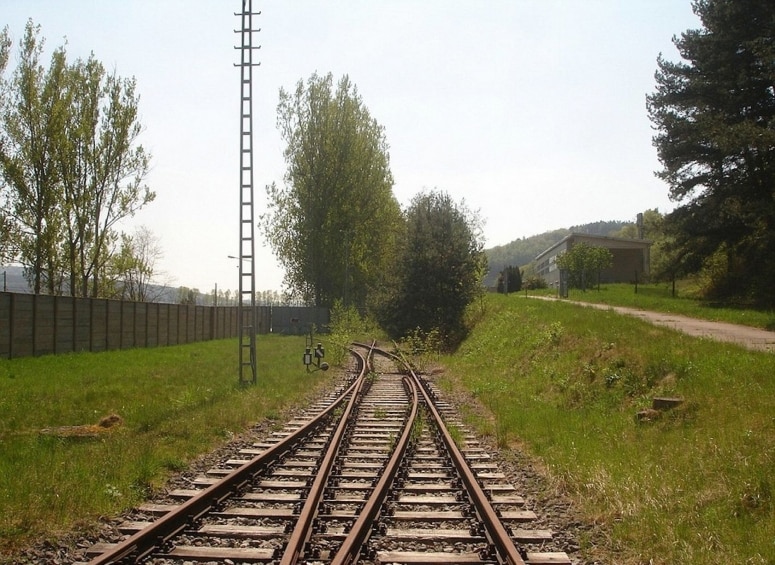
x=380, y=471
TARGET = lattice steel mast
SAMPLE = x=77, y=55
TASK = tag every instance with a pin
x=246, y=302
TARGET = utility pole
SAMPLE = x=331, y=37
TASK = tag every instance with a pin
x=246, y=300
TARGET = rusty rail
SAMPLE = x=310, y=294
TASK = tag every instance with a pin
x=301, y=531
x=351, y=546
x=143, y=543
x=495, y=531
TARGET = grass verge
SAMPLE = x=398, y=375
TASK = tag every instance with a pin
x=172, y=403
x=693, y=485
x=659, y=298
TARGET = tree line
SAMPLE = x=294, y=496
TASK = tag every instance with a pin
x=340, y=233
x=70, y=170
x=714, y=118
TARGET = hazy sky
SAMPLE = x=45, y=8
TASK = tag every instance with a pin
x=533, y=111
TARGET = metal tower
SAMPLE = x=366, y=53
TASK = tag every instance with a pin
x=246, y=303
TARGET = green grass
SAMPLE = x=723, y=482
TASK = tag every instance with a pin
x=175, y=403
x=695, y=486
x=659, y=298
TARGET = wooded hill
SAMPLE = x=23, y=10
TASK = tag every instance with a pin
x=521, y=252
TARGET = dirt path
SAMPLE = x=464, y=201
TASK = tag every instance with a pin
x=751, y=338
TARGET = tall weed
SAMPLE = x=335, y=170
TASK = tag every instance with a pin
x=348, y=325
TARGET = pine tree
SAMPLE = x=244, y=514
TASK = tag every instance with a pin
x=715, y=117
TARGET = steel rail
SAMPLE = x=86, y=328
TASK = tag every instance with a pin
x=303, y=529
x=497, y=533
x=351, y=546
x=142, y=544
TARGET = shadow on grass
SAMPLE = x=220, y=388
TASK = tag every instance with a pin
x=657, y=292
x=769, y=324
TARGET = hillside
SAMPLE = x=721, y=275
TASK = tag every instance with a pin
x=520, y=252
x=13, y=279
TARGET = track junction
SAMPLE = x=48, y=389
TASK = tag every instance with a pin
x=379, y=471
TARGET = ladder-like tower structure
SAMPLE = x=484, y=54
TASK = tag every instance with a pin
x=247, y=318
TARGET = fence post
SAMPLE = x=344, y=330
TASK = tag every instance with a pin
x=12, y=324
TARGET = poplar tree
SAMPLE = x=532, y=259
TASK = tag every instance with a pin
x=70, y=165
x=31, y=126
x=334, y=223
x=101, y=168
x=7, y=227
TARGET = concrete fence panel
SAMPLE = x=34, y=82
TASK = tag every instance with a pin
x=6, y=323
x=83, y=327
x=43, y=324
x=23, y=330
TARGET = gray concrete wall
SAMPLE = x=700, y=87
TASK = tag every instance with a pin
x=36, y=324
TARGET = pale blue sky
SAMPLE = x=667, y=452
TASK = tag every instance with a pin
x=533, y=111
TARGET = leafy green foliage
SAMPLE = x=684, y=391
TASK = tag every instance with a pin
x=335, y=223
x=7, y=226
x=131, y=270
x=422, y=348
x=715, y=116
x=347, y=325
x=439, y=270
x=584, y=261
x=71, y=164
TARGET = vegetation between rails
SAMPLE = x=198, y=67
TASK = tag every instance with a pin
x=58, y=471
x=690, y=485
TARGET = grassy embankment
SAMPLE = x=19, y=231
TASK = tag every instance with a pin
x=694, y=486
x=658, y=297
x=175, y=403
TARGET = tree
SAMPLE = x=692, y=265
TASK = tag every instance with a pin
x=188, y=296
x=70, y=161
x=101, y=168
x=582, y=260
x=7, y=235
x=132, y=269
x=335, y=223
x=652, y=227
x=31, y=125
x=509, y=280
x=439, y=269
x=715, y=121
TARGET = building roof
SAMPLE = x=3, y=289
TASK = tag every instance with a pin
x=604, y=241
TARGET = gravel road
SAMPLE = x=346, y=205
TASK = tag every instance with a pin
x=746, y=336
